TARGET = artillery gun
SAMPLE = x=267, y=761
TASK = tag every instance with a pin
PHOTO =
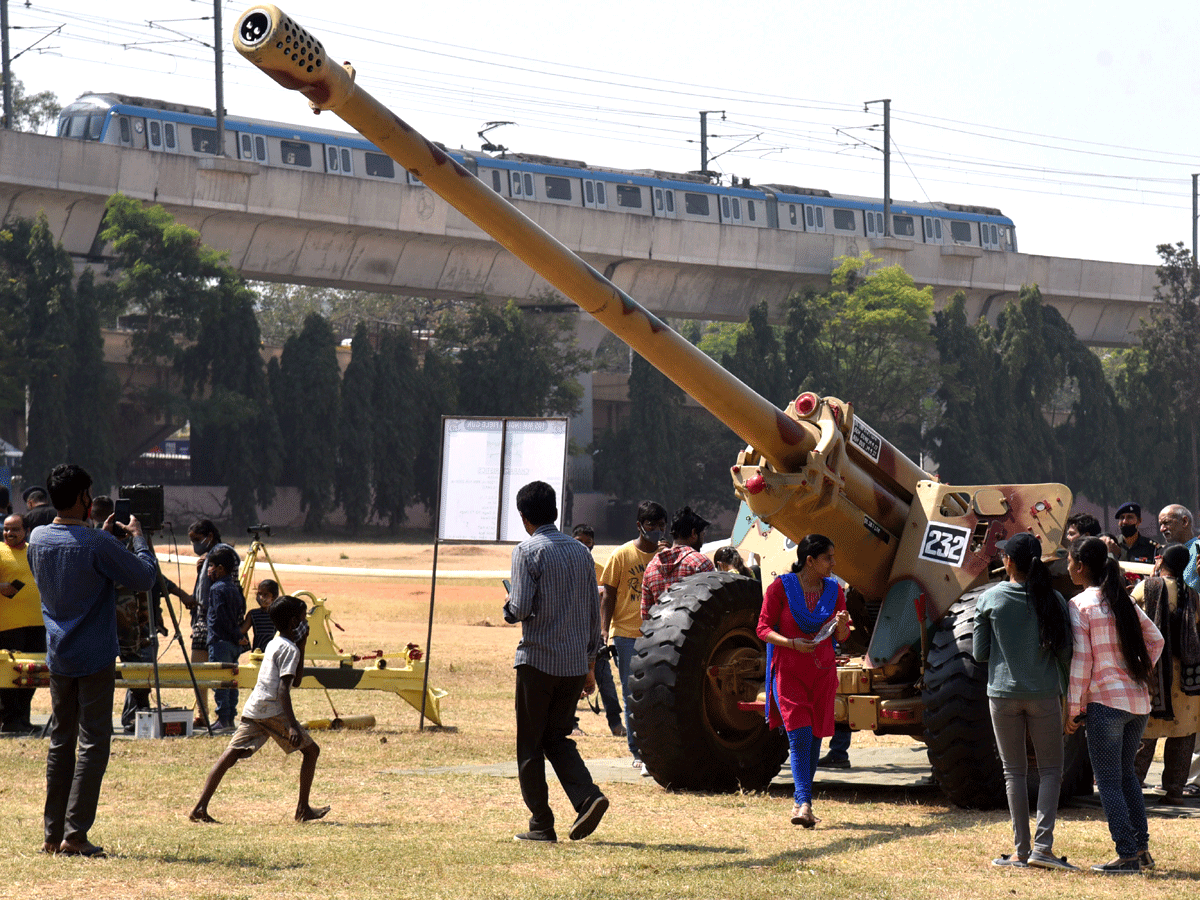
x=916, y=552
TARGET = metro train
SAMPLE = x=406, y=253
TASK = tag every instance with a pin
x=164, y=127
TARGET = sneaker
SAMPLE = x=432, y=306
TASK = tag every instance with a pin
x=537, y=837
x=1146, y=861
x=646, y=773
x=589, y=817
x=1007, y=859
x=829, y=761
x=1050, y=861
x=1119, y=867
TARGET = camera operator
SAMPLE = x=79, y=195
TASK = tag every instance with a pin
x=76, y=569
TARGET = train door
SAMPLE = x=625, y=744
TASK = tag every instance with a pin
x=338, y=161
x=933, y=230
x=252, y=147
x=874, y=223
x=522, y=185
x=594, y=194
x=664, y=203
x=814, y=218
x=989, y=236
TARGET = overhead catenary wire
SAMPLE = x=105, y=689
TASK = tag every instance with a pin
x=651, y=113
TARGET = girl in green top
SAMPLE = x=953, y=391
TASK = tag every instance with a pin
x=1023, y=635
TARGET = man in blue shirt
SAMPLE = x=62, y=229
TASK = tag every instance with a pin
x=76, y=569
x=554, y=598
x=224, y=615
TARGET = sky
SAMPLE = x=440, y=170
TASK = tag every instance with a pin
x=1077, y=120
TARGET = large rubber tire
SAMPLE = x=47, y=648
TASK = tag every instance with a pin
x=689, y=735
x=958, y=724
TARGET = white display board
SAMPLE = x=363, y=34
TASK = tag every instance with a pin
x=484, y=463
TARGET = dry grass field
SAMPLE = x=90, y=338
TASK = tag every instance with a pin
x=436, y=835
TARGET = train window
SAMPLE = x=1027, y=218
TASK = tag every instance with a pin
x=960, y=231
x=928, y=229
x=169, y=135
x=629, y=196
x=260, y=148
x=95, y=126
x=515, y=178
x=155, y=134
x=937, y=229
x=995, y=240
x=903, y=226
x=792, y=213
x=496, y=180
x=126, y=133
x=247, y=147
x=725, y=208
x=808, y=216
x=204, y=140
x=347, y=167
x=820, y=217
x=750, y=209
x=670, y=201
x=589, y=193
x=658, y=199
x=737, y=209
x=529, y=186
x=331, y=156
x=380, y=165
x=558, y=188
x=695, y=204
x=296, y=153
x=601, y=194
x=843, y=220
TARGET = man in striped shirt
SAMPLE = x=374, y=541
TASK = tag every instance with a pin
x=554, y=598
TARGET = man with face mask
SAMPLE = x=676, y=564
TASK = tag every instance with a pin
x=621, y=593
x=1135, y=547
x=205, y=539
x=681, y=559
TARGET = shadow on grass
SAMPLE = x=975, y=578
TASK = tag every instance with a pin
x=240, y=863
x=667, y=848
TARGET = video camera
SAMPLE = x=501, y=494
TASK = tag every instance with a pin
x=145, y=504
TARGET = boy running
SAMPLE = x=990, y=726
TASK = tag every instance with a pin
x=268, y=713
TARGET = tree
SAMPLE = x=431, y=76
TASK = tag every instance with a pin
x=757, y=358
x=34, y=112
x=1171, y=339
x=356, y=439
x=308, y=392
x=198, y=317
x=438, y=397
x=514, y=363
x=396, y=404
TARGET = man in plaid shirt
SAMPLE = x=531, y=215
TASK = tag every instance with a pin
x=681, y=559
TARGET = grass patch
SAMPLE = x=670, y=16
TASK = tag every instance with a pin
x=450, y=835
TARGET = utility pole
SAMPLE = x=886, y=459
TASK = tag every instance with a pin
x=220, y=149
x=887, y=163
x=704, y=138
x=6, y=64
x=1195, y=216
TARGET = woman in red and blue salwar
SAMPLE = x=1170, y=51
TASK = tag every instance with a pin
x=802, y=612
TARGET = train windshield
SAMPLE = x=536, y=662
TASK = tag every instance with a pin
x=82, y=122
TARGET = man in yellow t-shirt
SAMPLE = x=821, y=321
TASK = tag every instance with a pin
x=21, y=625
x=621, y=593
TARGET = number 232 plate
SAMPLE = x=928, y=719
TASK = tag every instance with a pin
x=945, y=544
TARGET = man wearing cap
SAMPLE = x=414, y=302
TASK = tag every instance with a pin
x=681, y=559
x=1135, y=546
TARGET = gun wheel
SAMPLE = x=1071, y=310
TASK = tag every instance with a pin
x=958, y=725
x=697, y=657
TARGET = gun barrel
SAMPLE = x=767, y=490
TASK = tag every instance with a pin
x=287, y=53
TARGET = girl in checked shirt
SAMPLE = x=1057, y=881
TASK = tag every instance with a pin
x=1114, y=649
